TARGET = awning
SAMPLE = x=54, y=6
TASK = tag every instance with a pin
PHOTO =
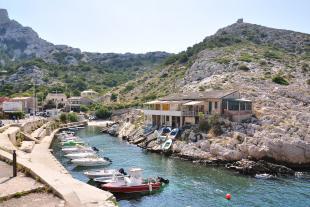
x=155, y=102
x=193, y=103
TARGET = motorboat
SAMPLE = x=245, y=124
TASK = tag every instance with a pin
x=174, y=133
x=68, y=138
x=80, y=155
x=135, y=183
x=165, y=130
x=78, y=149
x=72, y=143
x=103, y=173
x=91, y=161
x=73, y=128
x=110, y=179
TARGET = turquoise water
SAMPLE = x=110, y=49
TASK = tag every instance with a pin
x=191, y=184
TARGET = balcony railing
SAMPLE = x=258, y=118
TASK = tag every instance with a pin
x=190, y=113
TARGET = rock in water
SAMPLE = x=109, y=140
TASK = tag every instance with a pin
x=249, y=167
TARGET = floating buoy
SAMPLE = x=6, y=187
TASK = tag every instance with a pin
x=228, y=196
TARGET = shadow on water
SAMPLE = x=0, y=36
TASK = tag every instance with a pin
x=190, y=184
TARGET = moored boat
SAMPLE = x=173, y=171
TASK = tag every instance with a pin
x=167, y=144
x=80, y=155
x=103, y=173
x=72, y=143
x=135, y=183
x=77, y=148
x=91, y=161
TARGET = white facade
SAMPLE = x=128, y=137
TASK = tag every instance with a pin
x=10, y=106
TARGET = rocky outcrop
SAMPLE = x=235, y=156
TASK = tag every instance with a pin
x=248, y=167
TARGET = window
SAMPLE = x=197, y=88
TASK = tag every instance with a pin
x=248, y=106
x=242, y=106
x=167, y=118
x=215, y=104
x=233, y=105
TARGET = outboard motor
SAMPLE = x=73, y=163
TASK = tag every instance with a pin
x=108, y=159
x=95, y=149
x=162, y=180
x=122, y=171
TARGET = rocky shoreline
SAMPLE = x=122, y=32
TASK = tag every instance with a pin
x=198, y=147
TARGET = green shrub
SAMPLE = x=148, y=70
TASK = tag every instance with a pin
x=272, y=54
x=245, y=57
x=103, y=112
x=113, y=97
x=63, y=118
x=244, y=68
x=215, y=125
x=72, y=117
x=17, y=114
x=84, y=108
x=223, y=60
x=128, y=87
x=204, y=125
x=280, y=80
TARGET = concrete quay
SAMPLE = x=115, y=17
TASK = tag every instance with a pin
x=42, y=164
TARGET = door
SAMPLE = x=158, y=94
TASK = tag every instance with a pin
x=210, y=107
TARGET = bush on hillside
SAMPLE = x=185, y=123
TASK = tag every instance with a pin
x=63, y=118
x=272, y=54
x=280, y=80
x=103, y=113
x=84, y=108
x=72, y=117
x=204, y=125
x=245, y=57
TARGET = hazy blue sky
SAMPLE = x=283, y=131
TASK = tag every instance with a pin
x=149, y=25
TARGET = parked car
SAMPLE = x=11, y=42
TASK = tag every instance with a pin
x=1, y=124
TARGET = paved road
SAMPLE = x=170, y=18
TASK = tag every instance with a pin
x=6, y=170
x=10, y=121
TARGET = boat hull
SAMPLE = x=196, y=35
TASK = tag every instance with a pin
x=143, y=188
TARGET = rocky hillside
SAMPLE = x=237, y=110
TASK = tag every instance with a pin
x=21, y=50
x=269, y=66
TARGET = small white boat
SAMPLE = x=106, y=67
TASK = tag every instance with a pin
x=80, y=155
x=90, y=161
x=264, y=176
x=102, y=173
x=68, y=138
x=77, y=149
x=80, y=127
x=167, y=144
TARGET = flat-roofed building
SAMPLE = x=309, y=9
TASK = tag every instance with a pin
x=90, y=94
x=187, y=108
x=57, y=98
x=29, y=104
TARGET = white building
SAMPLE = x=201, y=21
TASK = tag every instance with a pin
x=90, y=94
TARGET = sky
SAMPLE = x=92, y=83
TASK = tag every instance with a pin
x=140, y=26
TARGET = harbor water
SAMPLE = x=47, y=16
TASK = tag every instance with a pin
x=190, y=184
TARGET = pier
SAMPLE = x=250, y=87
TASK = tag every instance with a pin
x=42, y=165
